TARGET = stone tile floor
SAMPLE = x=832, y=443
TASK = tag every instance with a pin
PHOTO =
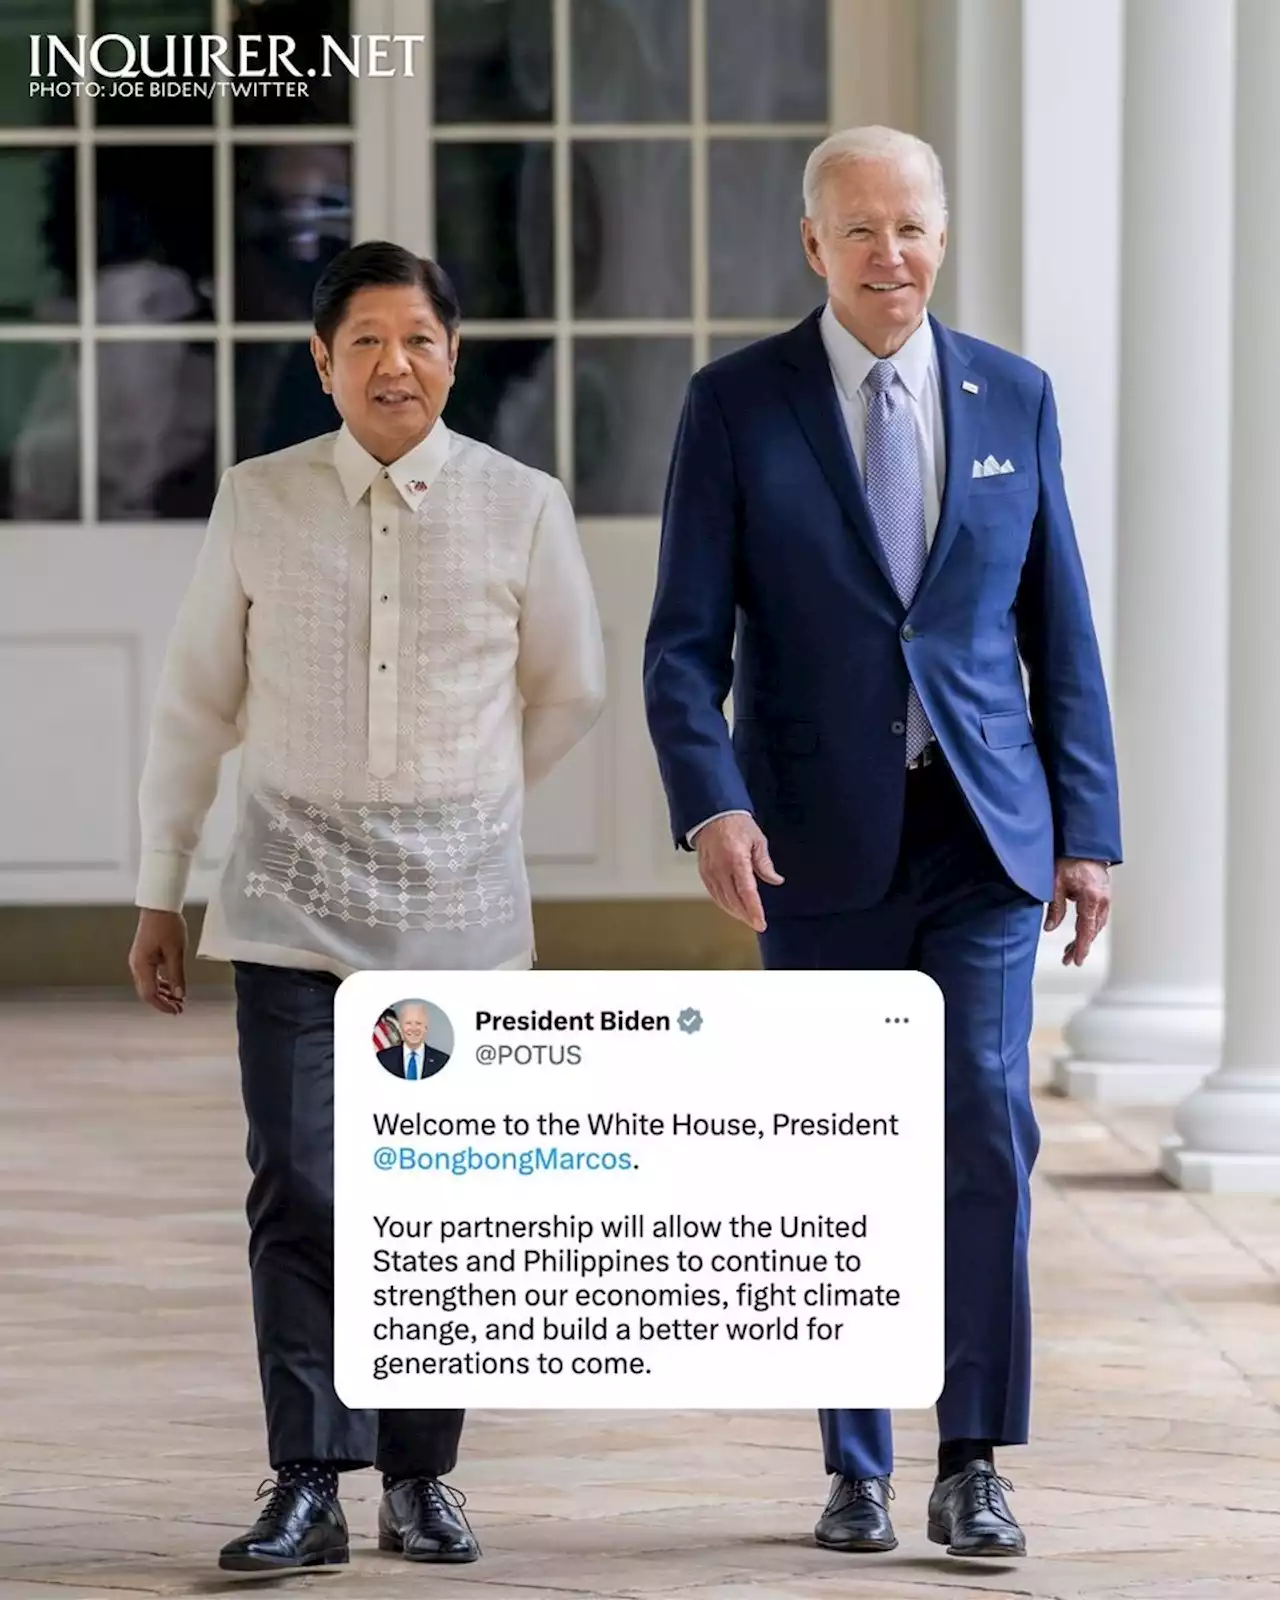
x=130, y=1442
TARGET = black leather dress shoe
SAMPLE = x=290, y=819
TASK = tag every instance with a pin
x=969, y=1514
x=422, y=1520
x=297, y=1528
x=857, y=1517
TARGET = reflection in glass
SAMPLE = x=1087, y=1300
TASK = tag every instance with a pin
x=19, y=108
x=769, y=61
x=40, y=432
x=494, y=227
x=724, y=344
x=505, y=395
x=279, y=400
x=156, y=455
x=155, y=233
x=492, y=60
x=159, y=18
x=38, y=263
x=630, y=60
x=627, y=398
x=631, y=228
x=305, y=22
x=292, y=216
x=757, y=261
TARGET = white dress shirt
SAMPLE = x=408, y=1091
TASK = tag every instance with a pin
x=399, y=651
x=917, y=367
x=916, y=364
x=407, y=1050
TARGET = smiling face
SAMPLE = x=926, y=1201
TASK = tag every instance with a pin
x=389, y=367
x=413, y=1026
x=878, y=240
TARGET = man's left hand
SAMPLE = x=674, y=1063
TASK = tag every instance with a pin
x=1088, y=883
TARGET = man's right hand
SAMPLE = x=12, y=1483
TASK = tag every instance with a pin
x=732, y=854
x=157, y=962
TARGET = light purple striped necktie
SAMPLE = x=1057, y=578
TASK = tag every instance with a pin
x=896, y=496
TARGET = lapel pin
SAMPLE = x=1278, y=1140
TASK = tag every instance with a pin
x=417, y=485
x=969, y=388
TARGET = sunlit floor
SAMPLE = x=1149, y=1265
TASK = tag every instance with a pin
x=130, y=1436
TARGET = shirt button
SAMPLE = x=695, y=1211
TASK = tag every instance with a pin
x=908, y=633
x=384, y=598
x=897, y=727
x=382, y=666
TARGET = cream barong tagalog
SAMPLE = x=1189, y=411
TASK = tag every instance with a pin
x=399, y=651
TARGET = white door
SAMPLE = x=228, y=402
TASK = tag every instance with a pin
x=613, y=184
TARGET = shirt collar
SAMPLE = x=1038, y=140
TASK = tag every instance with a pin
x=852, y=362
x=413, y=474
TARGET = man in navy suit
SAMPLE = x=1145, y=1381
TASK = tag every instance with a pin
x=866, y=535
x=414, y=1058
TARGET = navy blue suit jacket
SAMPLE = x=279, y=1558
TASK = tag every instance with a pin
x=430, y=1060
x=771, y=580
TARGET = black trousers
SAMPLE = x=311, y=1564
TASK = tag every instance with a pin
x=284, y=1018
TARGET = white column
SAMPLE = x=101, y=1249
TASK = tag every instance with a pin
x=1230, y=1128
x=1001, y=84
x=1071, y=155
x=970, y=111
x=1153, y=1031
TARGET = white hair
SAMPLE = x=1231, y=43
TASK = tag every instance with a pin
x=412, y=1005
x=866, y=144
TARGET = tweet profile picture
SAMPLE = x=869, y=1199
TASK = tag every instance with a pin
x=413, y=1039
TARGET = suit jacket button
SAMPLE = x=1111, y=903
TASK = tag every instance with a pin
x=908, y=632
x=897, y=727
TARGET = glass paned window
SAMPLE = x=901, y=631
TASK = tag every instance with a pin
x=757, y=264
x=492, y=60
x=292, y=216
x=40, y=432
x=613, y=216
x=38, y=263
x=504, y=394
x=211, y=220
x=304, y=22
x=25, y=103
x=768, y=60
x=155, y=424
x=165, y=21
x=626, y=405
x=494, y=227
x=279, y=400
x=631, y=228
x=642, y=234
x=630, y=60
x=155, y=233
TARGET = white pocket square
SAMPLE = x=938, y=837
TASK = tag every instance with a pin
x=991, y=468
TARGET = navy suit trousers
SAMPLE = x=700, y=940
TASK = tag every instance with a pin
x=953, y=913
x=285, y=1022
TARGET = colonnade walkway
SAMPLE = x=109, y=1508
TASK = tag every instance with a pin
x=130, y=1443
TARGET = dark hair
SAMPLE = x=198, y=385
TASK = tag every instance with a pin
x=373, y=264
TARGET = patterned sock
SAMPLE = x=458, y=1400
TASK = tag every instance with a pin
x=317, y=1476
x=956, y=1454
